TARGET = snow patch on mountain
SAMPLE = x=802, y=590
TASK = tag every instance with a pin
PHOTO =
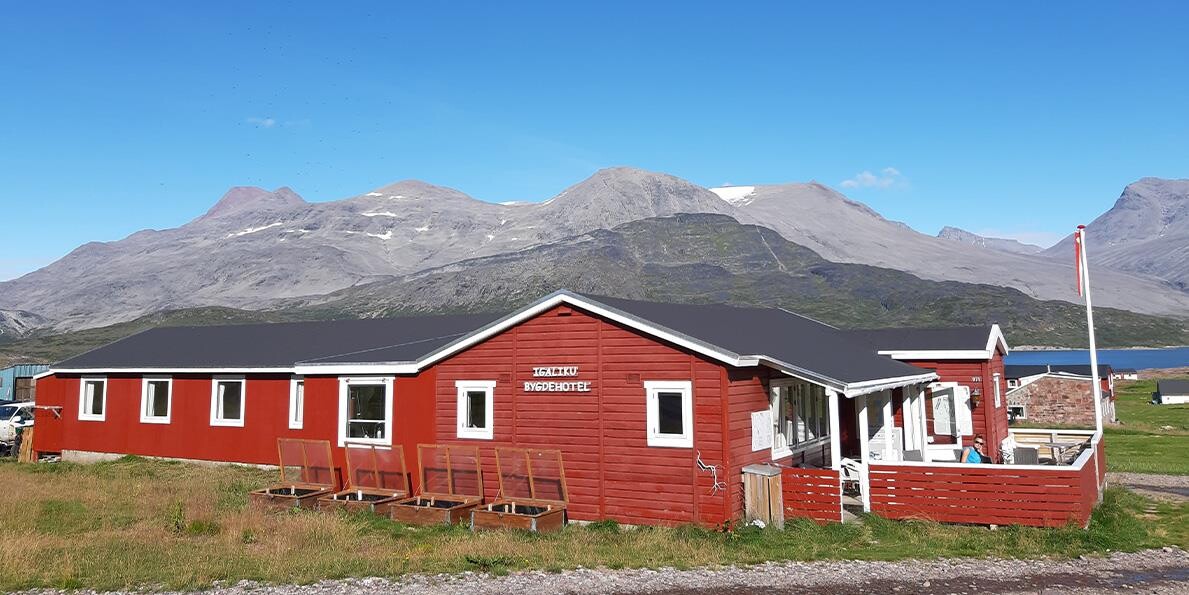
x=736, y=195
x=244, y=232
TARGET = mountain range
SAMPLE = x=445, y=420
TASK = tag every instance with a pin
x=413, y=246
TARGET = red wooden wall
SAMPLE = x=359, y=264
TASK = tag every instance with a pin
x=189, y=434
x=610, y=470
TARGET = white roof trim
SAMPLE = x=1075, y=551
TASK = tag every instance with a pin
x=49, y=372
x=856, y=389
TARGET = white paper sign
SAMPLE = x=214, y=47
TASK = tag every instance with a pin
x=761, y=430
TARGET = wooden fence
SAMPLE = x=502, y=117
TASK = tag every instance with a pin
x=812, y=493
x=1037, y=495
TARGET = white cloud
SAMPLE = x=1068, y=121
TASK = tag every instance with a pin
x=888, y=177
x=262, y=122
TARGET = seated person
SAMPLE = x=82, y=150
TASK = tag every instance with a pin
x=976, y=453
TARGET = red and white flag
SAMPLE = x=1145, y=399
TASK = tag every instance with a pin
x=1077, y=256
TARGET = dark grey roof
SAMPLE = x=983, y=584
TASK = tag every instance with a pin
x=815, y=348
x=277, y=345
x=962, y=338
x=1020, y=371
x=779, y=334
x=1173, y=387
x=1125, y=370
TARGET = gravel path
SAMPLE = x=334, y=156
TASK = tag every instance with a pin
x=1164, y=487
x=1155, y=571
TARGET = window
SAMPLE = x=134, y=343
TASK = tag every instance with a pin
x=297, y=403
x=365, y=411
x=998, y=397
x=1013, y=383
x=155, y=396
x=800, y=416
x=227, y=402
x=670, y=413
x=1015, y=412
x=92, y=399
x=476, y=409
x=951, y=409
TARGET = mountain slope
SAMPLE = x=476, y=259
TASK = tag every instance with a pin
x=255, y=245
x=1001, y=244
x=842, y=230
x=713, y=258
x=1146, y=231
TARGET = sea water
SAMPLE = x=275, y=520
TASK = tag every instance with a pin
x=1171, y=357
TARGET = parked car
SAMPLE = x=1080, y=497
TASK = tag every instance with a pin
x=14, y=417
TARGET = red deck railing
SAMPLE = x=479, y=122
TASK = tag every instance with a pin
x=1037, y=495
x=812, y=493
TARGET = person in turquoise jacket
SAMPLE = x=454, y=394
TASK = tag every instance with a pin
x=976, y=453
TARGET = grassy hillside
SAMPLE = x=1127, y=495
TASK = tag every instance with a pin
x=688, y=258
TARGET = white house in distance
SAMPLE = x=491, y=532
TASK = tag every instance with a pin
x=1171, y=392
x=1125, y=374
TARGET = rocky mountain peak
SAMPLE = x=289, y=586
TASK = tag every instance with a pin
x=1002, y=244
x=251, y=198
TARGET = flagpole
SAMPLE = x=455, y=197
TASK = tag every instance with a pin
x=1085, y=279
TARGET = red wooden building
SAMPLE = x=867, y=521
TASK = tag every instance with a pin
x=656, y=407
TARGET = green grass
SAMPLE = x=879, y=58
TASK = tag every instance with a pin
x=136, y=523
x=1151, y=438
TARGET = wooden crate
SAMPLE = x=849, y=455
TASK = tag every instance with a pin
x=533, y=494
x=375, y=478
x=307, y=473
x=451, y=485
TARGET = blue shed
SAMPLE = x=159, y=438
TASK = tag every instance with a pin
x=16, y=382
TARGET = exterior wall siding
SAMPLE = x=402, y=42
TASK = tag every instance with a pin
x=611, y=472
x=977, y=375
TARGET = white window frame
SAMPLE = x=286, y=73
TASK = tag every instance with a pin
x=811, y=409
x=344, y=391
x=463, y=387
x=959, y=402
x=1013, y=383
x=82, y=399
x=1023, y=411
x=144, y=400
x=216, y=418
x=652, y=388
x=297, y=402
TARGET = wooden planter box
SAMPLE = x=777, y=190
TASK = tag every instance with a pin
x=451, y=486
x=538, y=516
x=307, y=473
x=532, y=492
x=431, y=509
x=280, y=497
x=376, y=476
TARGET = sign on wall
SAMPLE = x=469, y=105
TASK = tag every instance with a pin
x=556, y=386
x=761, y=430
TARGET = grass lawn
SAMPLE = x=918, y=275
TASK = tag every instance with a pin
x=140, y=523
x=1152, y=438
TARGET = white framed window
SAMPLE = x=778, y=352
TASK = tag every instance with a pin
x=297, y=402
x=670, y=413
x=156, y=399
x=476, y=409
x=92, y=399
x=365, y=411
x=1013, y=383
x=998, y=397
x=1015, y=412
x=951, y=409
x=227, y=401
x=800, y=416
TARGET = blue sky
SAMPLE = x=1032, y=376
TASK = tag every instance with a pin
x=1017, y=119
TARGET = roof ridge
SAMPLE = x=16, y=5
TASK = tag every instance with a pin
x=334, y=355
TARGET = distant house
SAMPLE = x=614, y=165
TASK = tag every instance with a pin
x=1058, y=398
x=1171, y=392
x=16, y=382
x=1020, y=375
x=1125, y=374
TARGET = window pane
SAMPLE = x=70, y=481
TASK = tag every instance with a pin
x=669, y=413
x=93, y=404
x=229, y=400
x=366, y=402
x=299, y=398
x=365, y=429
x=476, y=409
x=158, y=398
